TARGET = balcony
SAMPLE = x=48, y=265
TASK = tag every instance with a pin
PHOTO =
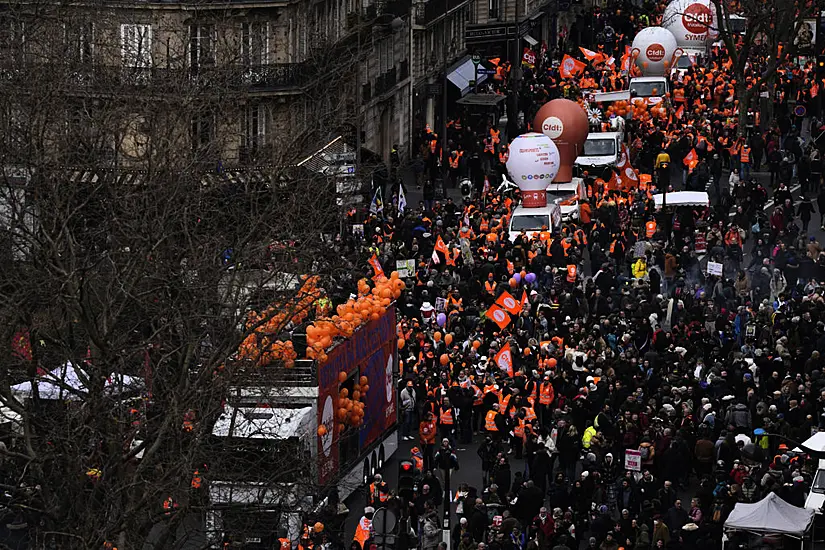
x=102, y=79
x=428, y=12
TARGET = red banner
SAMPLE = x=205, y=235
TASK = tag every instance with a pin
x=369, y=352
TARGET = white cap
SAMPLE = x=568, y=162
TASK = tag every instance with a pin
x=369, y=510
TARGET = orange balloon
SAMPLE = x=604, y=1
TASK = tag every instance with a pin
x=448, y=339
x=365, y=389
x=356, y=395
x=476, y=344
x=322, y=430
x=437, y=336
x=344, y=393
x=342, y=414
x=342, y=376
x=445, y=359
x=513, y=283
x=363, y=380
x=552, y=361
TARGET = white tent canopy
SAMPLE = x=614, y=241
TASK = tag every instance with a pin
x=770, y=515
x=65, y=383
x=683, y=198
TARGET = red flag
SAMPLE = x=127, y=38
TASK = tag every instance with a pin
x=509, y=303
x=498, y=316
x=504, y=359
x=440, y=246
x=376, y=265
x=570, y=67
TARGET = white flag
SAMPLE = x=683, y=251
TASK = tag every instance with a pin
x=402, y=201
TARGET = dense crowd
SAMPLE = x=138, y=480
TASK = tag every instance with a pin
x=615, y=343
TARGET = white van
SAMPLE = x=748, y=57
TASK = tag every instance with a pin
x=532, y=220
x=650, y=88
x=560, y=193
x=600, y=153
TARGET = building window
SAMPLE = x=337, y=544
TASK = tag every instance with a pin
x=201, y=47
x=203, y=131
x=495, y=7
x=136, y=46
x=254, y=135
x=255, y=43
x=78, y=39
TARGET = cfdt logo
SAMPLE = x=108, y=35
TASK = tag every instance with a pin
x=697, y=18
x=552, y=127
x=655, y=52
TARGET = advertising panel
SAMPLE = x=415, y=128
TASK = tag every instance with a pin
x=369, y=352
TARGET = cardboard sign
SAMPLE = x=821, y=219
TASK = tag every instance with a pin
x=405, y=268
x=715, y=268
x=441, y=304
x=633, y=460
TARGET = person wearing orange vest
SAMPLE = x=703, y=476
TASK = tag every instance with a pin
x=504, y=154
x=283, y=540
x=572, y=272
x=379, y=493
x=490, y=285
x=447, y=420
x=426, y=434
x=745, y=162
x=363, y=532
x=650, y=229
x=547, y=395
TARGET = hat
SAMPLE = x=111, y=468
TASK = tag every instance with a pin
x=369, y=510
x=427, y=306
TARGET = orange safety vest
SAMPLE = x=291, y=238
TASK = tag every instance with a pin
x=490, y=421
x=571, y=273
x=362, y=532
x=650, y=229
x=745, y=154
x=446, y=417
x=496, y=135
x=490, y=287
x=285, y=543
x=530, y=414
x=518, y=430
x=547, y=394
x=433, y=145
x=503, y=157
x=375, y=491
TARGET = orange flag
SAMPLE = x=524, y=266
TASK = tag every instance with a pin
x=509, y=303
x=525, y=301
x=504, y=359
x=570, y=67
x=376, y=265
x=498, y=316
x=691, y=159
x=680, y=111
x=440, y=246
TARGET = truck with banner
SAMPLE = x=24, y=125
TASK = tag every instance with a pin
x=294, y=424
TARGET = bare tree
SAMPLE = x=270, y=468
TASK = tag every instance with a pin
x=135, y=251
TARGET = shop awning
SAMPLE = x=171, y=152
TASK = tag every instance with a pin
x=462, y=73
x=530, y=40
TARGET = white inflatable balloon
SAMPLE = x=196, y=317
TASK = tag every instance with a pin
x=533, y=163
x=654, y=48
x=692, y=23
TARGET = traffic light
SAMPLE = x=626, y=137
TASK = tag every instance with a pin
x=407, y=478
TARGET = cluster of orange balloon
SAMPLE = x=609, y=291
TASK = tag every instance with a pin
x=619, y=108
x=351, y=405
x=259, y=347
x=370, y=305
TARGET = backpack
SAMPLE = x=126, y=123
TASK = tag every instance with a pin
x=720, y=490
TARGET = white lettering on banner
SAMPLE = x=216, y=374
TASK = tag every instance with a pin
x=498, y=315
x=633, y=460
x=509, y=303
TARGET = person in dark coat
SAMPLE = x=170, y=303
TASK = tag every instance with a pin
x=478, y=520
x=502, y=477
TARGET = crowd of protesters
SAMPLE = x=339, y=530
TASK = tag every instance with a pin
x=615, y=337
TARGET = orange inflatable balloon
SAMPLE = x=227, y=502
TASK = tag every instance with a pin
x=476, y=344
x=322, y=430
x=552, y=361
x=566, y=124
x=437, y=336
x=448, y=339
x=363, y=381
x=445, y=359
x=342, y=377
x=513, y=283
